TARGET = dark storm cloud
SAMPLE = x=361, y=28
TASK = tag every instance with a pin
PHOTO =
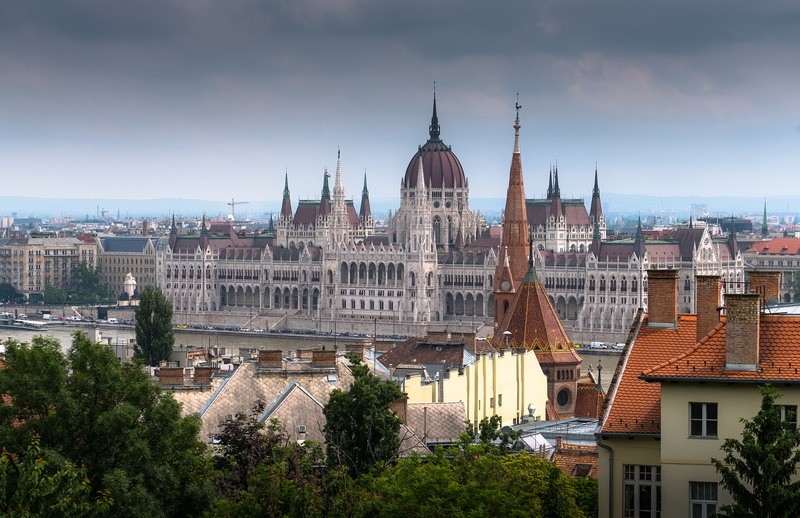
x=171, y=79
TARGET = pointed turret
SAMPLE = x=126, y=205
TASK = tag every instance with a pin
x=764, y=224
x=556, y=209
x=596, y=211
x=325, y=201
x=365, y=212
x=174, y=228
x=550, y=184
x=286, y=205
x=340, y=222
x=733, y=244
x=638, y=240
x=514, y=245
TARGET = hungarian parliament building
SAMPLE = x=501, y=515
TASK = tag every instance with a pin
x=326, y=266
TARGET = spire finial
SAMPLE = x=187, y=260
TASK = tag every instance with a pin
x=434, y=130
x=517, y=126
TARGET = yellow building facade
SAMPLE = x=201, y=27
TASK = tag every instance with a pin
x=508, y=384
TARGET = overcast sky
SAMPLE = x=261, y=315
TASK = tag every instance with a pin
x=217, y=99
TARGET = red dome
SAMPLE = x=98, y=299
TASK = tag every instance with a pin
x=439, y=164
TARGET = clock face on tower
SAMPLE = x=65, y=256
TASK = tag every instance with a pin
x=505, y=285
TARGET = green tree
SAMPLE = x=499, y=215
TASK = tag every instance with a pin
x=758, y=470
x=109, y=419
x=154, y=334
x=261, y=473
x=89, y=286
x=488, y=436
x=54, y=295
x=361, y=432
x=8, y=293
x=36, y=486
x=488, y=484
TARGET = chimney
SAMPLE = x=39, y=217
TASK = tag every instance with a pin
x=767, y=284
x=271, y=359
x=202, y=375
x=708, y=303
x=170, y=375
x=559, y=442
x=742, y=331
x=400, y=407
x=323, y=359
x=662, y=298
x=145, y=228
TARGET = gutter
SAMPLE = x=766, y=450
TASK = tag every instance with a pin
x=610, y=451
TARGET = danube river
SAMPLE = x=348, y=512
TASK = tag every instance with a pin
x=122, y=335
x=284, y=342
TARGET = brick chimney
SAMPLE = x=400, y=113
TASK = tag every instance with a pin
x=323, y=358
x=767, y=284
x=170, y=375
x=272, y=358
x=708, y=302
x=662, y=297
x=400, y=407
x=559, y=442
x=743, y=327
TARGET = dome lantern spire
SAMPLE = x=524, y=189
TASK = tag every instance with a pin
x=433, y=129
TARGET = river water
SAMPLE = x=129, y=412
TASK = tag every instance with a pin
x=284, y=342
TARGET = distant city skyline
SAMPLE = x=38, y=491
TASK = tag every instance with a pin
x=217, y=100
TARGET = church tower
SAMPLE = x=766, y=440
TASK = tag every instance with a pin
x=514, y=244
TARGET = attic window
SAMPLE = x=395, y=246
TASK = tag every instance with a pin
x=582, y=470
x=332, y=378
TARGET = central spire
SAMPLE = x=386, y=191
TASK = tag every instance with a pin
x=433, y=129
x=517, y=126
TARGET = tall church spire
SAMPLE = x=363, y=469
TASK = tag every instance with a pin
x=764, y=224
x=286, y=205
x=365, y=212
x=596, y=210
x=514, y=245
x=638, y=240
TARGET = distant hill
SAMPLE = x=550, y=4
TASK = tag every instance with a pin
x=620, y=204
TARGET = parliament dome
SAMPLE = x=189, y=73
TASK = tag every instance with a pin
x=440, y=165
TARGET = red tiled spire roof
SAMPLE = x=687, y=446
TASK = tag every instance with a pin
x=534, y=324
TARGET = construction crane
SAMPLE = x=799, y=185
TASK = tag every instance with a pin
x=233, y=205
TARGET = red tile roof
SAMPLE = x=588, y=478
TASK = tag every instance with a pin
x=780, y=246
x=779, y=356
x=577, y=461
x=534, y=324
x=633, y=406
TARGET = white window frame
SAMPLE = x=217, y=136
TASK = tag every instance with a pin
x=788, y=415
x=703, y=499
x=704, y=420
x=636, y=481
